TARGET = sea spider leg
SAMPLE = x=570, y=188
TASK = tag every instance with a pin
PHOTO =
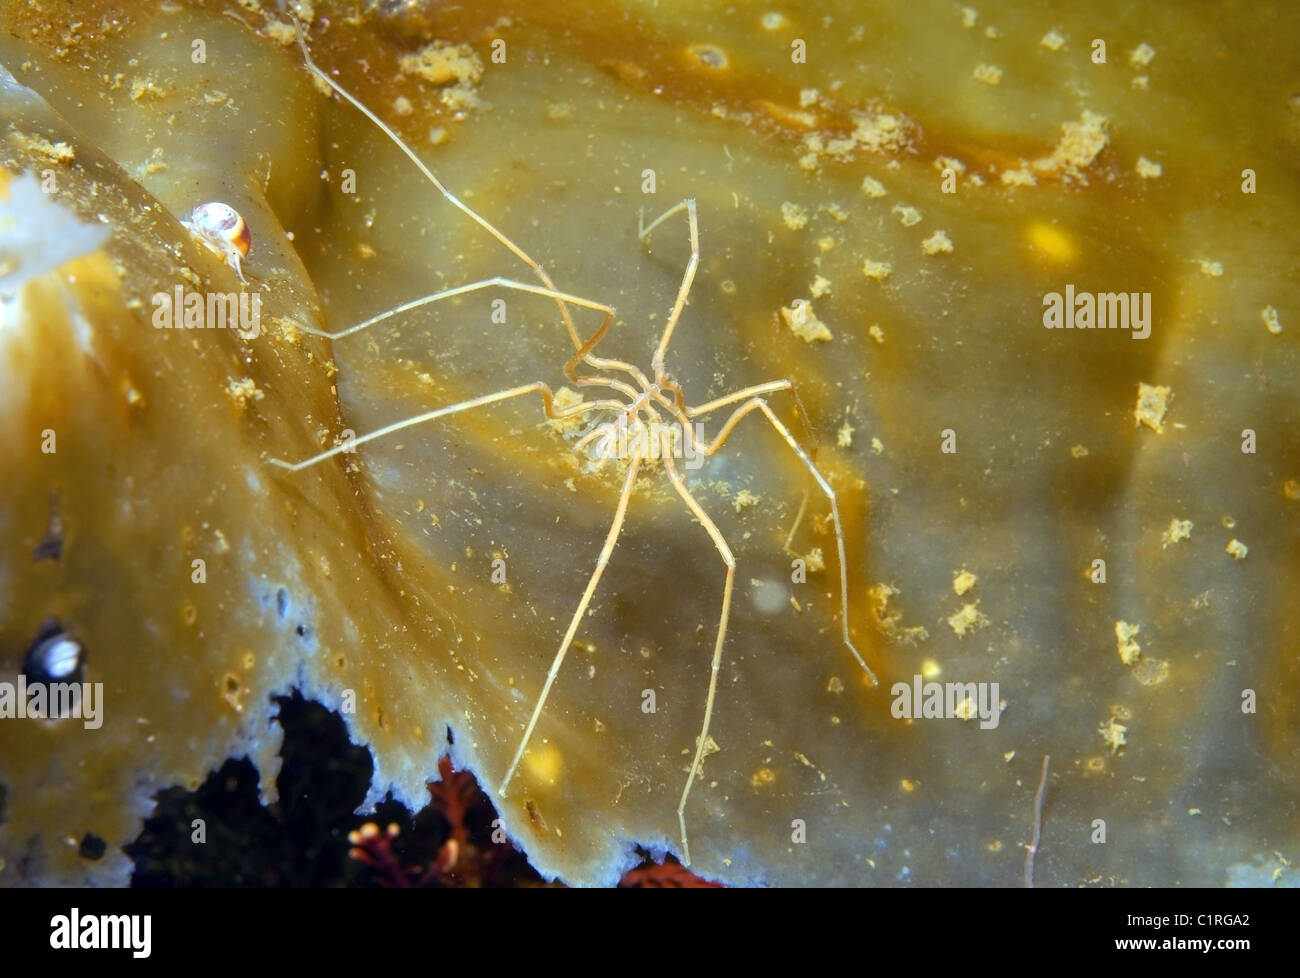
x=725, y=552
x=758, y=403
x=442, y=412
x=584, y=348
x=688, y=277
x=429, y=175
x=504, y=283
x=494, y=282
x=611, y=538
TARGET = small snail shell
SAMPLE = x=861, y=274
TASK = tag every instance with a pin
x=54, y=657
x=220, y=227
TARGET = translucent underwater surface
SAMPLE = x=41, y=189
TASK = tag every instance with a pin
x=385, y=601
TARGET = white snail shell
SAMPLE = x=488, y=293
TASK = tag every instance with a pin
x=223, y=230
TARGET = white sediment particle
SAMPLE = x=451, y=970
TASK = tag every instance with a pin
x=1018, y=178
x=1148, y=170
x=1080, y=144
x=1153, y=402
x=803, y=322
x=937, y=244
x=1177, y=530
x=876, y=270
x=908, y=216
x=794, y=216
x=873, y=187
x=1142, y=55
x=1271, y=321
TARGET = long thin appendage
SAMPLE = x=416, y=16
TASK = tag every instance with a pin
x=1031, y=850
x=611, y=539
x=758, y=404
x=442, y=412
x=495, y=282
x=687, y=277
x=429, y=175
x=725, y=551
x=794, y=527
x=771, y=387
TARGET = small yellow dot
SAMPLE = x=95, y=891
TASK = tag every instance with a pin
x=543, y=764
x=1052, y=243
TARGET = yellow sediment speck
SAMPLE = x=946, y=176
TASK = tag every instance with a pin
x=908, y=785
x=1177, y=530
x=1114, y=734
x=1129, y=650
x=1142, y=55
x=1151, y=672
x=968, y=619
x=1147, y=169
x=1019, y=177
x=930, y=669
x=908, y=216
x=803, y=322
x=1271, y=321
x=937, y=244
x=988, y=74
x=1236, y=549
x=794, y=216
x=1153, y=402
x=542, y=764
x=243, y=391
x=873, y=187
x=876, y=270
x=762, y=778
x=963, y=581
x=1052, y=242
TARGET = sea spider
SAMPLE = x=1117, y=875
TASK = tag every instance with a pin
x=638, y=405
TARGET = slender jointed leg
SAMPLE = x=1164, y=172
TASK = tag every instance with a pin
x=442, y=412
x=687, y=277
x=611, y=539
x=758, y=404
x=429, y=175
x=490, y=283
x=725, y=552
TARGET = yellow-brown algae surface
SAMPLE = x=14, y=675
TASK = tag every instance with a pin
x=926, y=179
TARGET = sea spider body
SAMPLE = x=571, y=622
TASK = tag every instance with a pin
x=639, y=418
